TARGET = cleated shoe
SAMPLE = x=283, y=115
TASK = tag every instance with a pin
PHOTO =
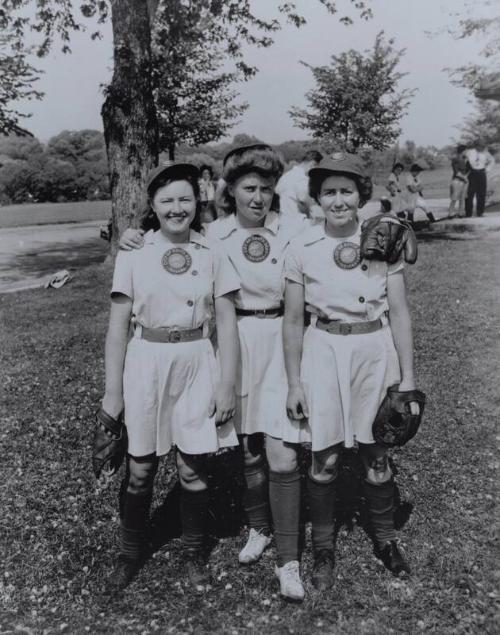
x=393, y=559
x=122, y=575
x=257, y=543
x=197, y=570
x=291, y=587
x=322, y=575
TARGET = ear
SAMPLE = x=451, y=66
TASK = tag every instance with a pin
x=230, y=189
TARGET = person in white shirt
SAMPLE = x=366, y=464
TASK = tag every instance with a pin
x=480, y=162
x=292, y=187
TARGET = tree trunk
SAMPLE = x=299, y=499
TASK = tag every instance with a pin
x=171, y=152
x=129, y=114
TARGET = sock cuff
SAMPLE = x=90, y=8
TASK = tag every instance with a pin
x=314, y=481
x=285, y=477
x=255, y=468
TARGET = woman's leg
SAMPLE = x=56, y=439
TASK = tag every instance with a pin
x=194, y=514
x=284, y=496
x=255, y=498
x=379, y=493
x=322, y=490
x=135, y=500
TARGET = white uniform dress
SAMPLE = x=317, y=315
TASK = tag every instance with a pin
x=394, y=187
x=414, y=200
x=168, y=387
x=258, y=255
x=345, y=377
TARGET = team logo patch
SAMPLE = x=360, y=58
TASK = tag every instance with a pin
x=339, y=156
x=256, y=248
x=347, y=255
x=176, y=260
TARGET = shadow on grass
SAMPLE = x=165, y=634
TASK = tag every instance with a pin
x=226, y=514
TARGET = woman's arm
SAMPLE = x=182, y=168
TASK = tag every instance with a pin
x=227, y=338
x=131, y=239
x=115, y=349
x=293, y=334
x=399, y=315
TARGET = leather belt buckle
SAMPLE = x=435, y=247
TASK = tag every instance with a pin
x=174, y=337
x=344, y=328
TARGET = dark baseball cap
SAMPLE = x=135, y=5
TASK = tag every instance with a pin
x=339, y=163
x=172, y=169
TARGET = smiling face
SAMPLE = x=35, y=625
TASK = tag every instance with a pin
x=339, y=200
x=175, y=206
x=253, y=194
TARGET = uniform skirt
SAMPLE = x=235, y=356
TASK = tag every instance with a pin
x=261, y=387
x=168, y=389
x=345, y=378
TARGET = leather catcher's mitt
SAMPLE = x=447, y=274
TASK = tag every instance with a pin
x=385, y=237
x=394, y=423
x=110, y=443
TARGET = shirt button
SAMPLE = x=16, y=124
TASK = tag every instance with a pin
x=274, y=261
x=361, y=299
x=190, y=303
x=194, y=272
x=364, y=267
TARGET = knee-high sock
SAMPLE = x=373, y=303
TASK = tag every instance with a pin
x=256, y=497
x=284, y=496
x=194, y=514
x=322, y=511
x=380, y=500
x=134, y=523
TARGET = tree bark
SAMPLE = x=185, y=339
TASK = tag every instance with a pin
x=129, y=114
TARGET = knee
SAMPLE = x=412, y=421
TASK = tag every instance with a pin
x=325, y=468
x=251, y=459
x=141, y=477
x=281, y=457
x=191, y=474
x=378, y=470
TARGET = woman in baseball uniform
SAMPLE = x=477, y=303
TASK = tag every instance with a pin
x=395, y=188
x=165, y=377
x=414, y=194
x=255, y=238
x=358, y=344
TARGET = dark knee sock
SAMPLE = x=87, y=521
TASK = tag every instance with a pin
x=284, y=496
x=134, y=523
x=194, y=514
x=322, y=511
x=380, y=500
x=256, y=497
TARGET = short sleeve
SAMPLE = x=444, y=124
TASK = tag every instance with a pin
x=293, y=265
x=226, y=279
x=399, y=265
x=122, y=276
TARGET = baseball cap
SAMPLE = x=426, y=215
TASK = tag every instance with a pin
x=339, y=162
x=172, y=169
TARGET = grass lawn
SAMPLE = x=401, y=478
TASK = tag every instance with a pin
x=58, y=531
x=45, y=213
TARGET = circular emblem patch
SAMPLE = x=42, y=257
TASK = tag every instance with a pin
x=347, y=255
x=176, y=260
x=256, y=248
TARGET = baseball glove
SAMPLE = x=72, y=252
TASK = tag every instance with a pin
x=394, y=423
x=110, y=443
x=385, y=237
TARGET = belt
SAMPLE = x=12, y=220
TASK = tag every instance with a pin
x=275, y=312
x=171, y=335
x=348, y=328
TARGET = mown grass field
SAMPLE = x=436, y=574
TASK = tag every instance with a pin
x=58, y=532
x=47, y=213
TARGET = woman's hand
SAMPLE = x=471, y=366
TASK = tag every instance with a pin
x=113, y=405
x=409, y=384
x=131, y=239
x=224, y=403
x=296, y=404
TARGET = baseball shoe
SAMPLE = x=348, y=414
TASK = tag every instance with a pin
x=291, y=587
x=393, y=559
x=197, y=570
x=322, y=575
x=123, y=573
x=257, y=543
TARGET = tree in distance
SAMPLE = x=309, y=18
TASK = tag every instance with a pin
x=355, y=102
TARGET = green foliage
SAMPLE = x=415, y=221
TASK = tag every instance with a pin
x=484, y=124
x=355, y=103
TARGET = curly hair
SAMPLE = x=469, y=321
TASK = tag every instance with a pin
x=363, y=183
x=149, y=219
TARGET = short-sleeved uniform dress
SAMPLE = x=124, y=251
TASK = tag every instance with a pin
x=413, y=199
x=258, y=255
x=168, y=387
x=345, y=377
x=394, y=187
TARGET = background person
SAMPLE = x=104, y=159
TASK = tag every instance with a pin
x=165, y=377
x=395, y=188
x=340, y=369
x=414, y=194
x=480, y=162
x=207, y=194
x=459, y=181
x=292, y=187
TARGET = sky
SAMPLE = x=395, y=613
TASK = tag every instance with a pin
x=73, y=83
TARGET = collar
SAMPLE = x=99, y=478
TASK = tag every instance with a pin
x=230, y=224
x=158, y=237
x=317, y=233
